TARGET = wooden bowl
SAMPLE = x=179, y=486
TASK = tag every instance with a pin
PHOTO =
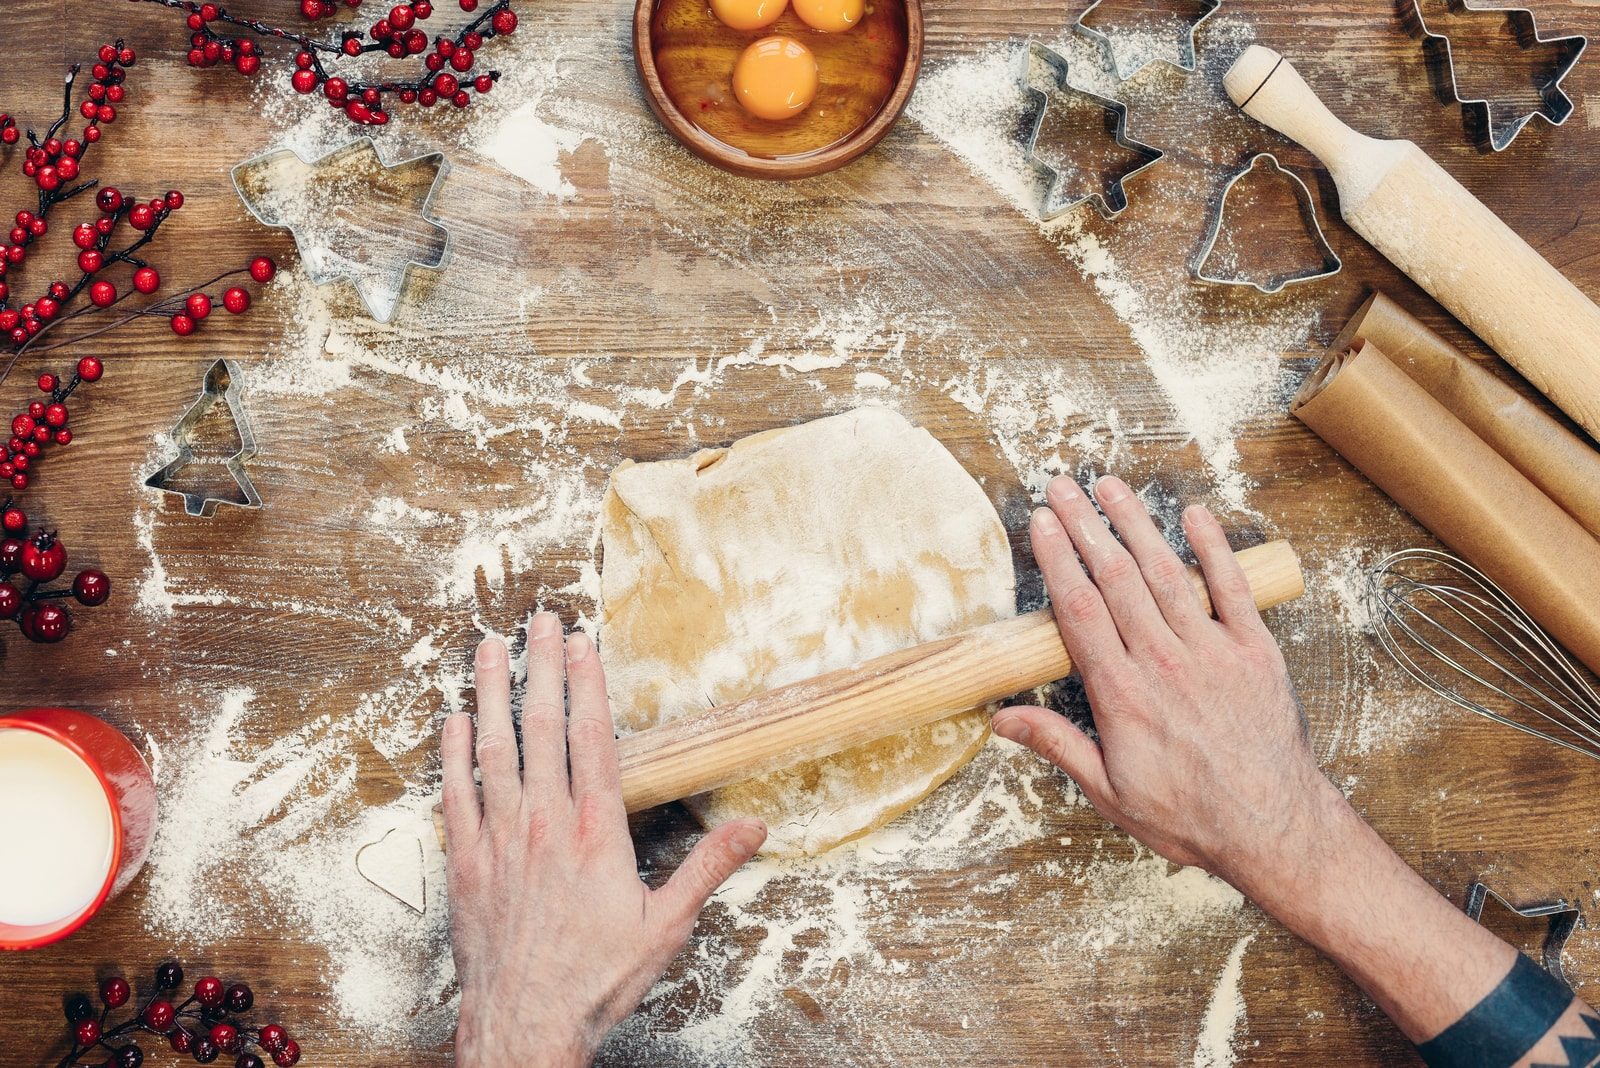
x=737, y=161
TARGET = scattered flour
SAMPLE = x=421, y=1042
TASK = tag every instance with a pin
x=1225, y=1014
x=481, y=503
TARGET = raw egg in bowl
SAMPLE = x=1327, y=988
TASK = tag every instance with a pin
x=778, y=88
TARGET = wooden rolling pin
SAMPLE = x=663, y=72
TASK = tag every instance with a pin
x=1450, y=244
x=890, y=695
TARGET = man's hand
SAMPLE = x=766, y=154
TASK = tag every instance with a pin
x=1204, y=754
x=556, y=939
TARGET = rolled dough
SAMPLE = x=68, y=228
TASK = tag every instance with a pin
x=793, y=553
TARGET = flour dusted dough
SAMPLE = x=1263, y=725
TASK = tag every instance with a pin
x=790, y=554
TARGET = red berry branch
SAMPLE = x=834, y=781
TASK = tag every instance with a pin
x=205, y=1025
x=448, y=61
x=53, y=163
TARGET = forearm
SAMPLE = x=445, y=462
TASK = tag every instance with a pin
x=1447, y=983
x=488, y=1039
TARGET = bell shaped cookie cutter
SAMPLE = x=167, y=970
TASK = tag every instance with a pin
x=222, y=382
x=1479, y=112
x=1330, y=266
x=1052, y=205
x=1188, y=55
x=324, y=265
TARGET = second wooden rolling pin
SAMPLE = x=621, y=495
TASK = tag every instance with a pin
x=890, y=695
x=1433, y=229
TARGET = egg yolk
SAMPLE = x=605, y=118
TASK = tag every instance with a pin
x=830, y=16
x=775, y=78
x=748, y=14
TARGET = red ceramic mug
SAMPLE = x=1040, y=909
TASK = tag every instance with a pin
x=77, y=813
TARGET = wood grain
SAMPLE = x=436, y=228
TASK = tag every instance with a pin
x=631, y=295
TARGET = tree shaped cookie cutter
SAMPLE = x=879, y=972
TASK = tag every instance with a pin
x=1051, y=204
x=1479, y=111
x=324, y=265
x=1188, y=55
x=222, y=382
x=1331, y=265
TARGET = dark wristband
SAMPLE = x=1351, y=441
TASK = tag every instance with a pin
x=1505, y=1025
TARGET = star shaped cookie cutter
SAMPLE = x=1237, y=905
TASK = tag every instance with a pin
x=222, y=382
x=324, y=265
x=1479, y=111
x=1052, y=205
x=1331, y=264
x=1188, y=56
x=1563, y=921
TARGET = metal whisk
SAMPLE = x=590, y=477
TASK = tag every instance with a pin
x=1437, y=614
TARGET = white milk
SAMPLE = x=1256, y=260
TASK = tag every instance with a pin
x=55, y=830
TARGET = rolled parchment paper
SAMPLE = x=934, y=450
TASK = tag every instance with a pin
x=1454, y=484
x=1560, y=462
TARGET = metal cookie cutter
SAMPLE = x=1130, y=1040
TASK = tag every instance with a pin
x=380, y=285
x=1053, y=204
x=1331, y=264
x=1563, y=921
x=223, y=382
x=1480, y=112
x=1188, y=57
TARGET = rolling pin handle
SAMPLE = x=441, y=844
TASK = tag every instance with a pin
x=1269, y=89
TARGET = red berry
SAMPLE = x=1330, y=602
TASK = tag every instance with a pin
x=87, y=1033
x=335, y=88
x=92, y=588
x=303, y=60
x=105, y=224
x=199, y=306
x=462, y=60
x=226, y=1036
x=461, y=99
x=247, y=65
x=236, y=300
x=48, y=623
x=182, y=325
x=304, y=81
x=43, y=558
x=10, y=601
x=504, y=22
x=49, y=179
x=47, y=308
x=173, y=199
x=91, y=135
x=204, y=1050
x=84, y=236
x=146, y=280
x=103, y=294
x=401, y=17
x=108, y=199
x=127, y=57
x=181, y=1041
x=90, y=260
x=67, y=168
x=240, y=998
x=273, y=1037
x=483, y=83
x=56, y=415
x=90, y=369
x=63, y=436
x=36, y=409
x=469, y=5
x=22, y=426
x=106, y=113
x=115, y=990
x=262, y=269
x=10, y=555
x=13, y=520
x=288, y=1055
x=108, y=53
x=446, y=85
x=158, y=1015
x=208, y=991
x=140, y=217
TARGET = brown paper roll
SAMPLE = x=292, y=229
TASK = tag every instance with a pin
x=1454, y=484
x=1561, y=463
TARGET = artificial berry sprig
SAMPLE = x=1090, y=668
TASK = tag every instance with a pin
x=204, y=1025
x=39, y=559
x=448, y=61
x=44, y=423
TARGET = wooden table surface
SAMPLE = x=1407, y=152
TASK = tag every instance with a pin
x=299, y=602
